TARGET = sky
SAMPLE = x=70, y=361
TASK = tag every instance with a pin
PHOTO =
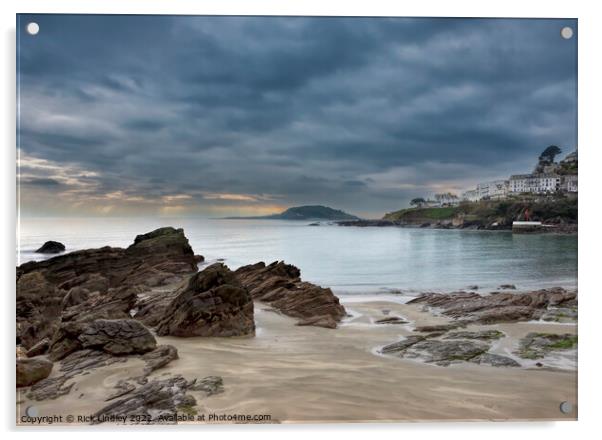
x=220, y=116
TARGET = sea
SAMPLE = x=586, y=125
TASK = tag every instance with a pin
x=350, y=260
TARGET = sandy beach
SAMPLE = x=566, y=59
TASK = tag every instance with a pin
x=310, y=374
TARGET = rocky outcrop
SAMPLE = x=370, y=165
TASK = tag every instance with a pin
x=51, y=247
x=498, y=307
x=156, y=402
x=30, y=371
x=211, y=303
x=538, y=345
x=280, y=285
x=154, y=259
x=114, y=336
x=97, y=283
x=39, y=306
x=460, y=347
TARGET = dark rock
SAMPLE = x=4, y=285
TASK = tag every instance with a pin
x=402, y=345
x=474, y=287
x=325, y=321
x=50, y=388
x=39, y=348
x=391, y=320
x=495, y=360
x=537, y=345
x=445, y=352
x=32, y=370
x=210, y=385
x=96, y=283
x=280, y=285
x=483, y=334
x=39, y=305
x=199, y=258
x=122, y=388
x=437, y=328
x=156, y=402
x=507, y=287
x=113, y=336
x=51, y=247
x=153, y=258
x=159, y=357
x=212, y=303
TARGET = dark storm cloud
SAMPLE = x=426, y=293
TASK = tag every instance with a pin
x=358, y=113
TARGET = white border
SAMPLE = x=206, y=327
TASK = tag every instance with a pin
x=590, y=141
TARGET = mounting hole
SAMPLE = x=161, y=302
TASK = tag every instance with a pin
x=566, y=32
x=32, y=28
x=566, y=407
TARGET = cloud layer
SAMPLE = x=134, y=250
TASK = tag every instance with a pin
x=246, y=115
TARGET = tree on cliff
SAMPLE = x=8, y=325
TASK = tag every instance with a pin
x=418, y=201
x=548, y=155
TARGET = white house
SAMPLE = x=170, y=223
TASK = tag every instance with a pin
x=472, y=195
x=569, y=183
x=534, y=183
x=497, y=189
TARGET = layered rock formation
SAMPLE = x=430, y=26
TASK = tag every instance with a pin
x=499, y=307
x=280, y=285
x=97, y=283
x=212, y=303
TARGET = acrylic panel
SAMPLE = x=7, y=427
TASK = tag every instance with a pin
x=231, y=219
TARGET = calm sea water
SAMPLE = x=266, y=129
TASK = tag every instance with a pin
x=347, y=259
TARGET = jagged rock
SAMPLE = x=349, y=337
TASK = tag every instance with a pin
x=537, y=345
x=560, y=314
x=507, y=287
x=50, y=388
x=159, y=357
x=280, y=285
x=97, y=283
x=153, y=258
x=114, y=336
x=151, y=306
x=483, y=334
x=38, y=308
x=498, y=307
x=325, y=321
x=210, y=385
x=51, y=247
x=39, y=348
x=156, y=402
x=20, y=352
x=122, y=388
x=495, y=360
x=32, y=370
x=391, y=320
x=211, y=303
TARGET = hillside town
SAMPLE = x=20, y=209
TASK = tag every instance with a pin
x=548, y=177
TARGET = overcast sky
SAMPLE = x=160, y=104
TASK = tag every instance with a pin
x=214, y=116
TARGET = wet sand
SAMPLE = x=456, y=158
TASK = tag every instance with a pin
x=310, y=374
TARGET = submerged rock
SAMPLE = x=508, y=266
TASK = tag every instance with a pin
x=280, y=285
x=32, y=370
x=212, y=303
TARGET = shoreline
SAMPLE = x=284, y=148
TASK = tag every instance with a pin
x=316, y=375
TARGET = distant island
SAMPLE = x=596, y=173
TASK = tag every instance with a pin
x=311, y=212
